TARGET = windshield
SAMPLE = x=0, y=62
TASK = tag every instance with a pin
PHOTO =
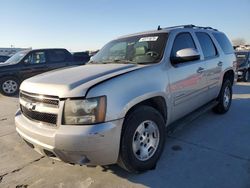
x=141, y=49
x=17, y=57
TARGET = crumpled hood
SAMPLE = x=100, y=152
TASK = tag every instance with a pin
x=73, y=82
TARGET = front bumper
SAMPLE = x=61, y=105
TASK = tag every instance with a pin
x=89, y=144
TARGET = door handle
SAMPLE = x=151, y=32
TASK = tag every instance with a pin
x=200, y=70
x=220, y=64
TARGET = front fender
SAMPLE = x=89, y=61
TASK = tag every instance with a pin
x=139, y=99
x=125, y=91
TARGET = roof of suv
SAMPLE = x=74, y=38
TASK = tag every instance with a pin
x=169, y=29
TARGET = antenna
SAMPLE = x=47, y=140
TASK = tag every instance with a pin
x=159, y=28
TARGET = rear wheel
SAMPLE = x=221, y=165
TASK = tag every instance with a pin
x=142, y=139
x=224, y=98
x=9, y=86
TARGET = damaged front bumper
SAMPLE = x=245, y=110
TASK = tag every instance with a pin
x=88, y=144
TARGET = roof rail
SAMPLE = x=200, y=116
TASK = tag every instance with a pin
x=187, y=26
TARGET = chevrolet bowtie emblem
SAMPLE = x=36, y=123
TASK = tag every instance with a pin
x=30, y=106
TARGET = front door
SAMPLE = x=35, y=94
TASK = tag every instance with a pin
x=187, y=79
x=35, y=63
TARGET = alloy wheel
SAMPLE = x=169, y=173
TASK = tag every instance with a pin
x=10, y=86
x=145, y=140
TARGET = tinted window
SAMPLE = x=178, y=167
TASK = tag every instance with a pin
x=207, y=45
x=81, y=56
x=224, y=43
x=182, y=41
x=56, y=55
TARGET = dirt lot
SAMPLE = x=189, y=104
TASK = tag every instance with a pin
x=212, y=151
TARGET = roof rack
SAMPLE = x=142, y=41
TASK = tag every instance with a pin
x=187, y=26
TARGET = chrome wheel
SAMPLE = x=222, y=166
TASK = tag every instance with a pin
x=145, y=140
x=227, y=97
x=10, y=86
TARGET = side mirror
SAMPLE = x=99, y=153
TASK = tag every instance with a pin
x=26, y=61
x=185, y=55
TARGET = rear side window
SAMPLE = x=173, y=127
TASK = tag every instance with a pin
x=182, y=41
x=57, y=56
x=224, y=43
x=207, y=45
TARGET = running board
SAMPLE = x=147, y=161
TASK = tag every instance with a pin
x=179, y=124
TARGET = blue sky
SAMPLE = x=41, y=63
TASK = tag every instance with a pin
x=89, y=24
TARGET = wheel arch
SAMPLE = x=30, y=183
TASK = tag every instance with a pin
x=157, y=102
x=229, y=74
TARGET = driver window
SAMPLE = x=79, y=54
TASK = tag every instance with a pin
x=36, y=58
x=182, y=41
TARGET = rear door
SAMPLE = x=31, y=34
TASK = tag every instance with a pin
x=187, y=80
x=213, y=63
x=57, y=58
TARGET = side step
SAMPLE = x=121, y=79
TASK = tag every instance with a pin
x=179, y=124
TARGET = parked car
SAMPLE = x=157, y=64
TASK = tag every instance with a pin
x=81, y=56
x=28, y=63
x=3, y=58
x=243, y=65
x=115, y=109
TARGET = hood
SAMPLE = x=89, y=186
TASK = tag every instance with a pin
x=3, y=64
x=74, y=82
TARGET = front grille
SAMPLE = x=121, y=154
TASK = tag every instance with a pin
x=38, y=116
x=30, y=97
x=41, y=108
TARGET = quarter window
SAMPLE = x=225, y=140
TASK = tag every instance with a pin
x=207, y=45
x=182, y=41
x=56, y=56
x=224, y=43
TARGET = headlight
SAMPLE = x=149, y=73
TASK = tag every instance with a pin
x=84, y=111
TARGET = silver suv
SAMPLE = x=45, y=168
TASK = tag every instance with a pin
x=115, y=109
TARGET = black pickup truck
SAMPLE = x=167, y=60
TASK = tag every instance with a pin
x=28, y=63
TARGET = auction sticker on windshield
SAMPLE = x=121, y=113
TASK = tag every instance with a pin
x=147, y=39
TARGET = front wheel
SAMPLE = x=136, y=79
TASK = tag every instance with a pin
x=142, y=139
x=224, y=99
x=9, y=86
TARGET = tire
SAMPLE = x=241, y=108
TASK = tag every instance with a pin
x=9, y=86
x=224, y=99
x=131, y=158
x=246, y=76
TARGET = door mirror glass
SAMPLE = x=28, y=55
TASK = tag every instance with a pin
x=185, y=55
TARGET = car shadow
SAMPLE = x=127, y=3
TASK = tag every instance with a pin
x=211, y=151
